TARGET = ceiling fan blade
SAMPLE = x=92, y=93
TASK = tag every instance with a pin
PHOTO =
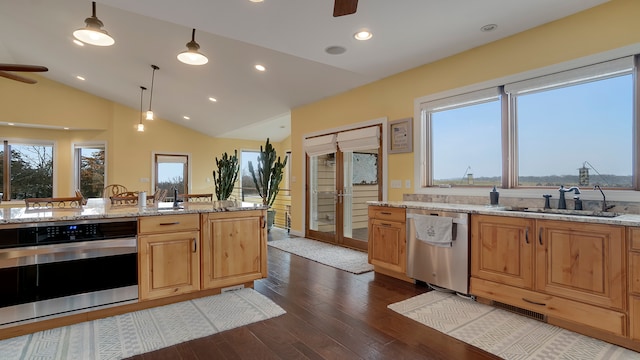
x=20, y=67
x=344, y=7
x=11, y=76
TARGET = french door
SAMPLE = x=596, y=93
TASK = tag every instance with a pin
x=339, y=184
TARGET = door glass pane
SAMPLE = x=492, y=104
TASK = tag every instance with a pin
x=322, y=181
x=360, y=186
x=249, y=192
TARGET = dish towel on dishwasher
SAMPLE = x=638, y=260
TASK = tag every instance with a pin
x=433, y=230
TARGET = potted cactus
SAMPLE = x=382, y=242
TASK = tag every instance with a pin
x=227, y=175
x=267, y=177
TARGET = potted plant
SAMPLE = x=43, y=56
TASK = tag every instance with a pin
x=227, y=175
x=267, y=177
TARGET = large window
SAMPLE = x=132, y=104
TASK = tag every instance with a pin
x=464, y=133
x=27, y=170
x=89, y=169
x=575, y=127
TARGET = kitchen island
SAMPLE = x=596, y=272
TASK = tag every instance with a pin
x=63, y=266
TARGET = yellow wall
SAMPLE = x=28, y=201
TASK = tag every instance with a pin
x=609, y=26
x=129, y=153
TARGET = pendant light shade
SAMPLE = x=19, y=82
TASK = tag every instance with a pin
x=192, y=56
x=140, y=124
x=149, y=115
x=93, y=33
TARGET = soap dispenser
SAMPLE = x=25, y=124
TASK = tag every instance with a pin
x=494, y=195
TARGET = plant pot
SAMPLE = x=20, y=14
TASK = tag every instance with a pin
x=271, y=216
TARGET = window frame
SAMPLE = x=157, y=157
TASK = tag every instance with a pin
x=76, y=149
x=6, y=145
x=583, y=67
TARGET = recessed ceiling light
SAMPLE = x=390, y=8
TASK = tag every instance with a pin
x=212, y=99
x=260, y=67
x=10, y=124
x=186, y=117
x=80, y=78
x=335, y=50
x=256, y=1
x=489, y=27
x=363, y=35
x=78, y=42
x=66, y=128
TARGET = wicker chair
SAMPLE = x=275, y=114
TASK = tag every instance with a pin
x=196, y=197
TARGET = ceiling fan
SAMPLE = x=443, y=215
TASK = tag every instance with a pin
x=6, y=68
x=344, y=7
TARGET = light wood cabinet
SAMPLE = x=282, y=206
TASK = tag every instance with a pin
x=502, y=249
x=634, y=282
x=168, y=255
x=583, y=262
x=234, y=248
x=569, y=271
x=387, y=239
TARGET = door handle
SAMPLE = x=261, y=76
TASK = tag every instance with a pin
x=526, y=235
x=540, y=236
x=195, y=245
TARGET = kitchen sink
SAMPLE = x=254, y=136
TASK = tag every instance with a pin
x=566, y=212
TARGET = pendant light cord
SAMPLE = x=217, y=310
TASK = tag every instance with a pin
x=153, y=75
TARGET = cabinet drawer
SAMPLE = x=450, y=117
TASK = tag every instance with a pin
x=634, y=236
x=572, y=311
x=387, y=213
x=168, y=223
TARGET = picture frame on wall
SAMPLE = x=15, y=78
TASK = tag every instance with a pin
x=401, y=136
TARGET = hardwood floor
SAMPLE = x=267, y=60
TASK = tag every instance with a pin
x=331, y=314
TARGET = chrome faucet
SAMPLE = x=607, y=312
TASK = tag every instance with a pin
x=605, y=207
x=562, y=203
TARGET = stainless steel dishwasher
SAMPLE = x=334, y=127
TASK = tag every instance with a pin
x=442, y=266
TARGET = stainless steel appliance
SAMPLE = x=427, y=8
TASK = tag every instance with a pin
x=53, y=268
x=442, y=266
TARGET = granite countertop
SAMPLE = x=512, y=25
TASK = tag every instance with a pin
x=102, y=209
x=620, y=219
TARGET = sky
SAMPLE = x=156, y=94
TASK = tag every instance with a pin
x=558, y=131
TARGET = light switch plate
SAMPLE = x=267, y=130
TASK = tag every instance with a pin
x=407, y=184
x=396, y=184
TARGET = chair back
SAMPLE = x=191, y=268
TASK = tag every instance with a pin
x=196, y=197
x=112, y=190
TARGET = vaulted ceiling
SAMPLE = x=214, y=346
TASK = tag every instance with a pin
x=288, y=37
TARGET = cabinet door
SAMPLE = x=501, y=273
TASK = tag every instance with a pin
x=583, y=262
x=169, y=264
x=234, y=249
x=502, y=249
x=388, y=245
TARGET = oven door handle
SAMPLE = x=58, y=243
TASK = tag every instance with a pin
x=44, y=254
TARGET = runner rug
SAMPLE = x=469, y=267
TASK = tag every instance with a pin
x=502, y=333
x=339, y=257
x=138, y=332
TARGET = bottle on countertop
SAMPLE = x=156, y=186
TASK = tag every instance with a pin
x=494, y=195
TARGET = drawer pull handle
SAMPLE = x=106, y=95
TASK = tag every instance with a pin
x=534, y=302
x=385, y=213
x=385, y=224
x=540, y=236
x=171, y=223
x=526, y=235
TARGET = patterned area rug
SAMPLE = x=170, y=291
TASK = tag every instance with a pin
x=353, y=261
x=130, y=334
x=503, y=333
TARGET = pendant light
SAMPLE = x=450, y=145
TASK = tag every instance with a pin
x=192, y=56
x=153, y=75
x=93, y=33
x=141, y=125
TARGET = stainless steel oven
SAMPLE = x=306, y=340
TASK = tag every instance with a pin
x=54, y=268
